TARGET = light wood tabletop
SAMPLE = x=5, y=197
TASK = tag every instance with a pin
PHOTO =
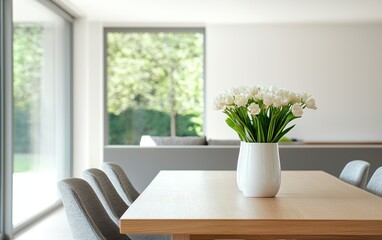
x=208, y=205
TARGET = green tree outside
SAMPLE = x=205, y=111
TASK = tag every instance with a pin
x=27, y=67
x=154, y=85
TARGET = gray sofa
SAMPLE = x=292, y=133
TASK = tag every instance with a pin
x=150, y=141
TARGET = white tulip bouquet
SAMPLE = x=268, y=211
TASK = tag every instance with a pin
x=261, y=114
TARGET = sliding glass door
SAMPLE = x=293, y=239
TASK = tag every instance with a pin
x=41, y=107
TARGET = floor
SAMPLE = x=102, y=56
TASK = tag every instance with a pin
x=27, y=200
x=53, y=227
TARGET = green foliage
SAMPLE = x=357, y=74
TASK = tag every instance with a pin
x=27, y=64
x=154, y=73
x=285, y=139
x=27, y=67
x=159, y=71
x=268, y=126
x=22, y=131
x=130, y=125
x=189, y=124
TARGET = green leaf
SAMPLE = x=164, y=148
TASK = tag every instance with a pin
x=278, y=137
x=237, y=128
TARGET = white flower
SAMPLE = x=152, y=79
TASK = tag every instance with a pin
x=277, y=102
x=268, y=100
x=219, y=102
x=240, y=100
x=259, y=95
x=272, y=89
x=285, y=101
x=305, y=96
x=297, y=110
x=311, y=103
x=231, y=91
x=295, y=97
x=243, y=90
x=253, y=92
x=228, y=99
x=254, y=109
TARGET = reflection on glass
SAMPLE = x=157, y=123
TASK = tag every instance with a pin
x=40, y=108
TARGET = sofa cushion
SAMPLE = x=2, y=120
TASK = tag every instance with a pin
x=165, y=140
x=223, y=142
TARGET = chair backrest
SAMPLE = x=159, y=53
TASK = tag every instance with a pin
x=86, y=215
x=355, y=173
x=106, y=192
x=375, y=184
x=121, y=182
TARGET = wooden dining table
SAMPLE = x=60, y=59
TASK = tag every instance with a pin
x=208, y=205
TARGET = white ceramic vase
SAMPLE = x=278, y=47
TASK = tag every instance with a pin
x=259, y=173
x=239, y=173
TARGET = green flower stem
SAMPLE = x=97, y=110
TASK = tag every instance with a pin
x=270, y=125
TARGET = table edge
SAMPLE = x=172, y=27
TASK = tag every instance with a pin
x=251, y=227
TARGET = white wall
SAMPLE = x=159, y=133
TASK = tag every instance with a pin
x=80, y=97
x=96, y=98
x=339, y=64
x=88, y=96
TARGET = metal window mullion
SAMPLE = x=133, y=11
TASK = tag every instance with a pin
x=69, y=93
x=1, y=123
x=7, y=118
x=105, y=92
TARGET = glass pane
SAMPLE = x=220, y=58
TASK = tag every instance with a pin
x=40, y=107
x=154, y=85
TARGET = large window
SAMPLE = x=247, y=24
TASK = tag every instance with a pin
x=155, y=83
x=41, y=107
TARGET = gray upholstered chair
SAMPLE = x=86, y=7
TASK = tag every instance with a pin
x=375, y=184
x=355, y=173
x=112, y=202
x=121, y=182
x=105, y=191
x=86, y=215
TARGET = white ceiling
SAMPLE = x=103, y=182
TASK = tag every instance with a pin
x=227, y=11
x=32, y=11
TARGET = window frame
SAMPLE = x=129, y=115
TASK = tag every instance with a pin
x=7, y=230
x=107, y=30
x=6, y=118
